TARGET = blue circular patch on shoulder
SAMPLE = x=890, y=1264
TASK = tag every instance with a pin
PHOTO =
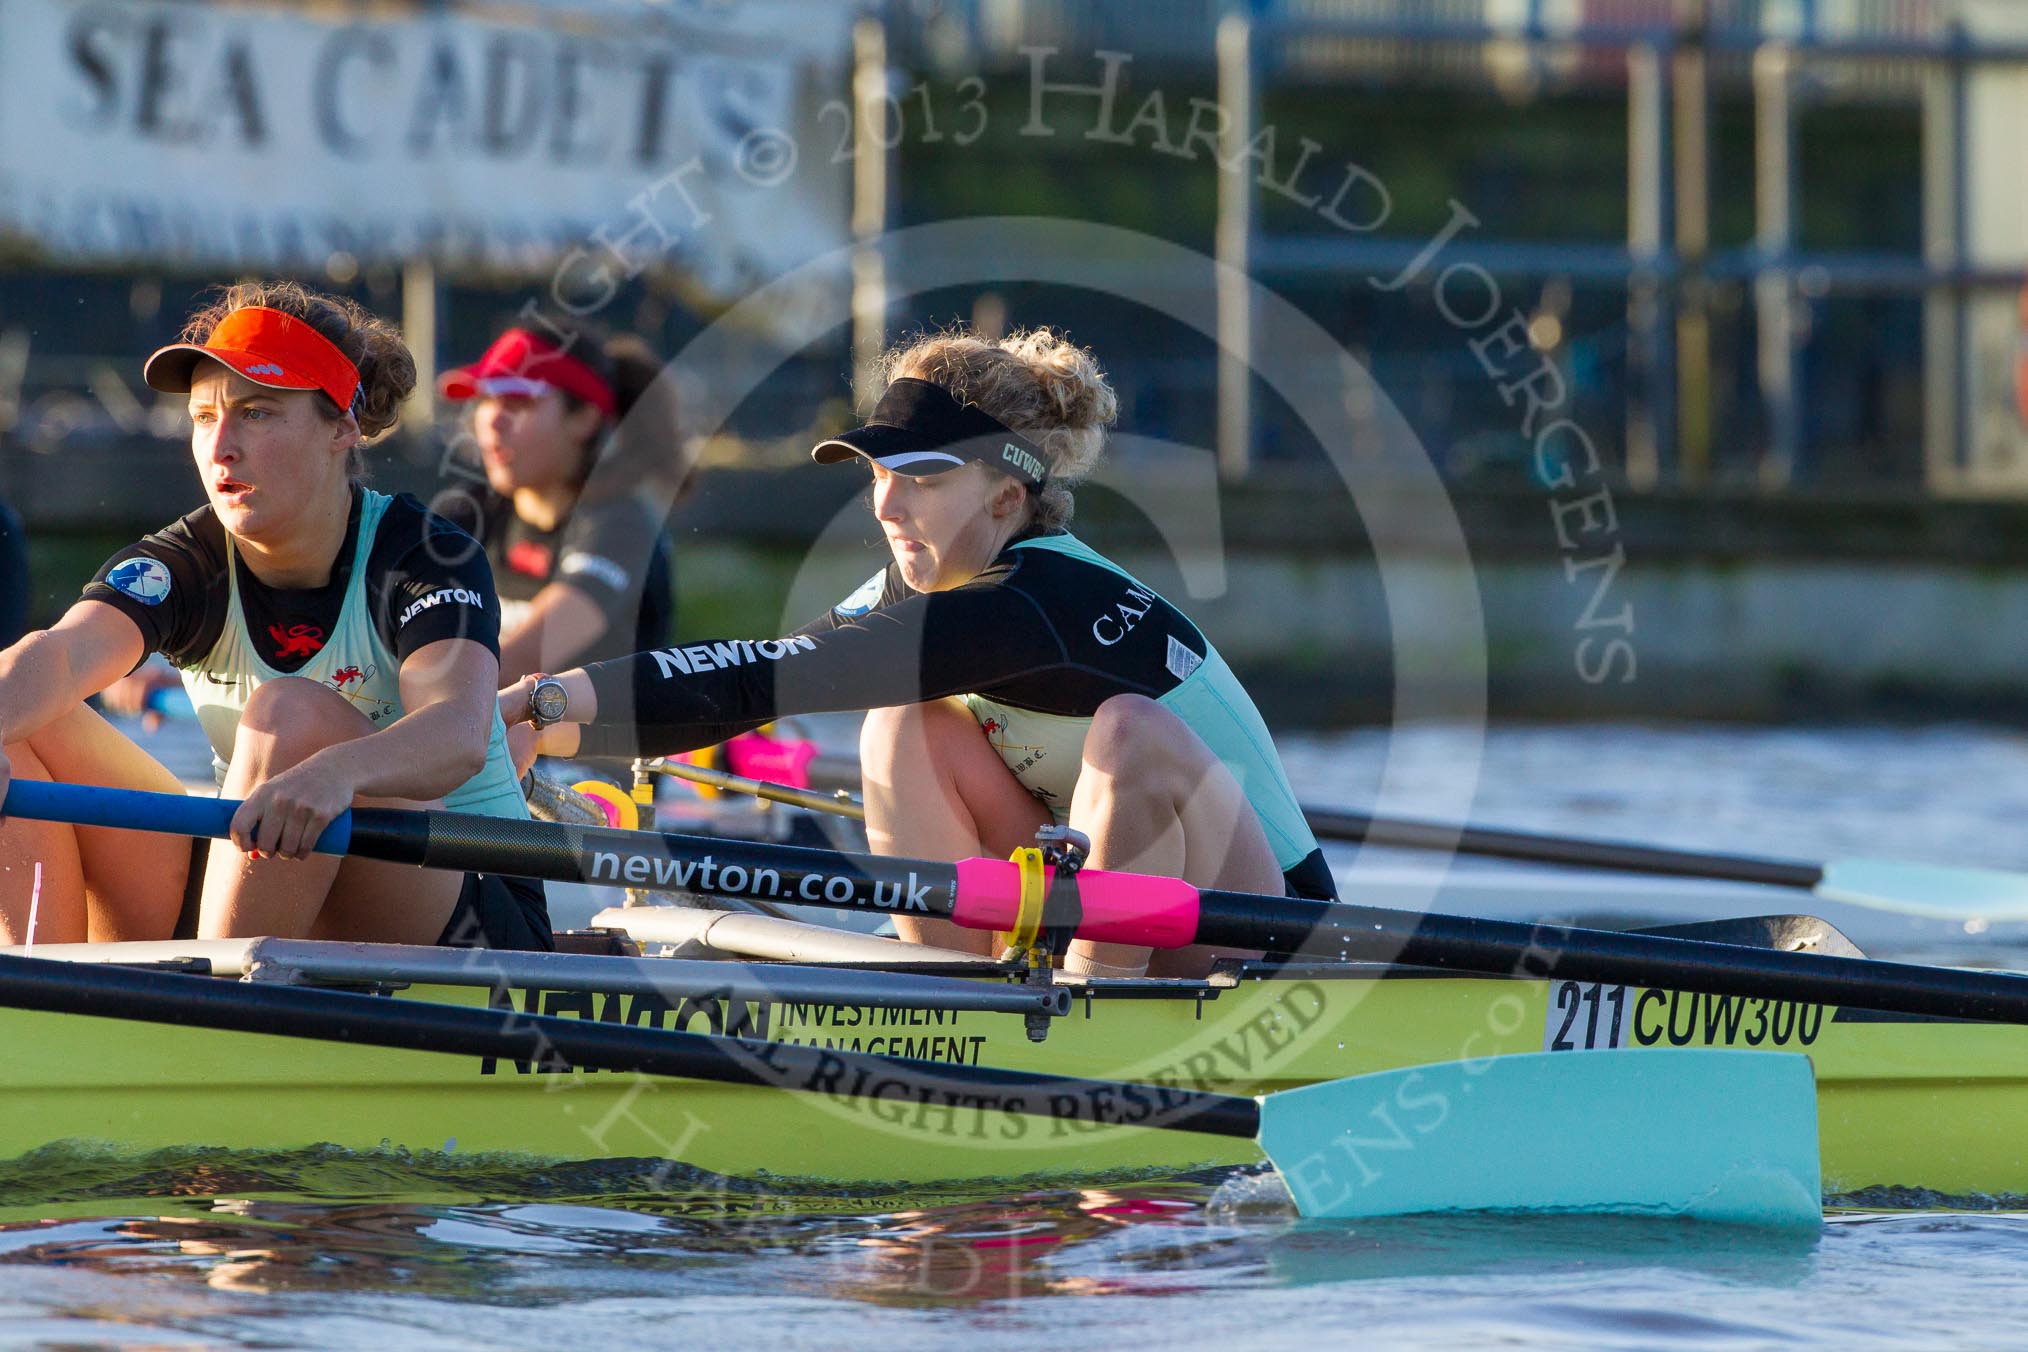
x=143, y=578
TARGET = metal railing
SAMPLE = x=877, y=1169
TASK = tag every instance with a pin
x=1667, y=265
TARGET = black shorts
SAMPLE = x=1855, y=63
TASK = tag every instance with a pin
x=495, y=911
x=491, y=911
x=1310, y=877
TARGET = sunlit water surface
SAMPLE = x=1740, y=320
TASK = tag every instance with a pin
x=328, y=1249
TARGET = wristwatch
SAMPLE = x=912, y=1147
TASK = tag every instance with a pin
x=547, y=702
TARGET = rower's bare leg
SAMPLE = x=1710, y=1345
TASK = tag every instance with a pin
x=97, y=883
x=936, y=789
x=60, y=916
x=1154, y=799
x=321, y=897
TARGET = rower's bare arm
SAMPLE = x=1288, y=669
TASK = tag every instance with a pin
x=440, y=742
x=562, y=739
x=581, y=706
x=560, y=626
x=447, y=688
x=46, y=674
x=524, y=744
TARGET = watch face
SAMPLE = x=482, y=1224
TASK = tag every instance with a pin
x=548, y=700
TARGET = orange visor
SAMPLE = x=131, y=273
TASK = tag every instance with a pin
x=267, y=347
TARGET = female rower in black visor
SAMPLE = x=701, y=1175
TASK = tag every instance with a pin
x=1013, y=675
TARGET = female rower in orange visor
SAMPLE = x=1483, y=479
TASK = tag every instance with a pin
x=340, y=646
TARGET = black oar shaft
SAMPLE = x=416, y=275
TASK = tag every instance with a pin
x=1503, y=947
x=411, y=1025
x=1623, y=856
x=1279, y=924
x=735, y=870
x=750, y=870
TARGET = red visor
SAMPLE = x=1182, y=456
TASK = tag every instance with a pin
x=267, y=347
x=519, y=362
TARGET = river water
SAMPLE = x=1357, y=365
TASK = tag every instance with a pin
x=328, y=1249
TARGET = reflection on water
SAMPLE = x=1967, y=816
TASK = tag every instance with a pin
x=447, y=1241
x=441, y=1255
x=258, y=1247
x=1526, y=1250
x=1145, y=1240
x=1148, y=1239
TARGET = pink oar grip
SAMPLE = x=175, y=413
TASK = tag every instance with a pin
x=1119, y=908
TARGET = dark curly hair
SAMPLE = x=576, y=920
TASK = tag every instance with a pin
x=386, y=368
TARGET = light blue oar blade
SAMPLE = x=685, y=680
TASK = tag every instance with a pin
x=1927, y=889
x=1718, y=1135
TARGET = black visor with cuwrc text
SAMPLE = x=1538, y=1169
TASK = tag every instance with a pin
x=919, y=428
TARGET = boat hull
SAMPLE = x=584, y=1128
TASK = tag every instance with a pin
x=1923, y=1104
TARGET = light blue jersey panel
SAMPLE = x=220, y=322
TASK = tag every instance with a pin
x=353, y=662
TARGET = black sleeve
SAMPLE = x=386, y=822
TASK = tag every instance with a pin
x=430, y=581
x=614, y=736
x=172, y=585
x=919, y=648
x=606, y=553
x=464, y=504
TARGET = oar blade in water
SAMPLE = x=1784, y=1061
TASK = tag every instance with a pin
x=1716, y=1135
x=1927, y=889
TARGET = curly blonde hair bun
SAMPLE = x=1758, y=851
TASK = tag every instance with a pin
x=1035, y=381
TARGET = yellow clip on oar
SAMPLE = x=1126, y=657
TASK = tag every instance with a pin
x=1034, y=889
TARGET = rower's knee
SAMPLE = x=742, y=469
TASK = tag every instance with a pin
x=879, y=733
x=1134, y=738
x=912, y=737
x=291, y=717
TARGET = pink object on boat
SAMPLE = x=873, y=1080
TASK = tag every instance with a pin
x=755, y=755
x=1119, y=908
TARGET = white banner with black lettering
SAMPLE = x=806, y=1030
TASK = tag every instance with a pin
x=602, y=141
